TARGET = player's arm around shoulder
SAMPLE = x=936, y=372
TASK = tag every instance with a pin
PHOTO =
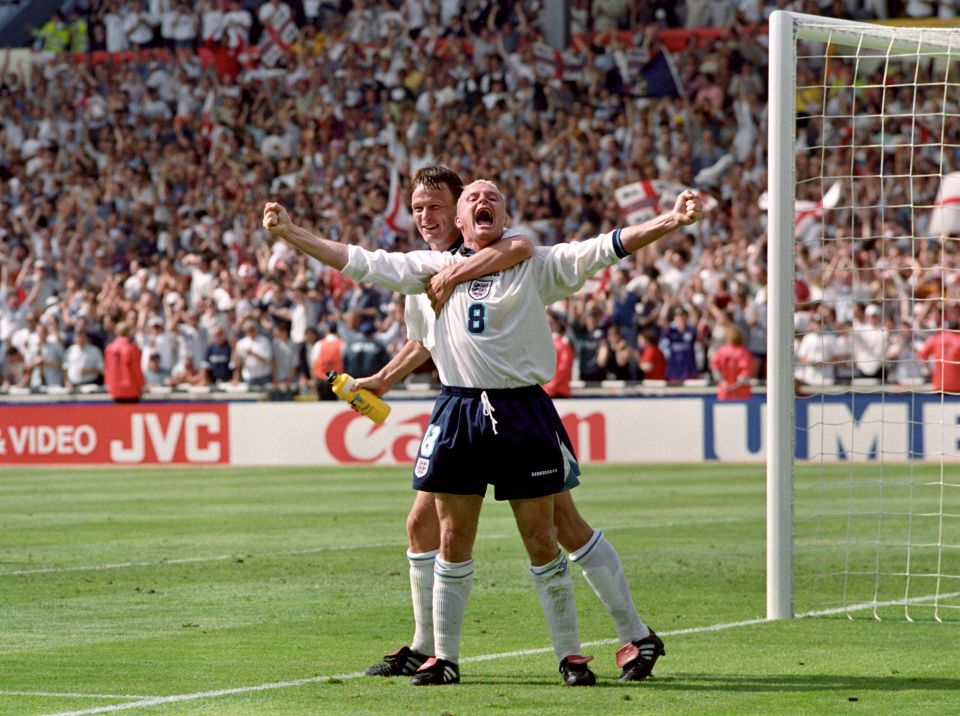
x=407, y=273
x=505, y=253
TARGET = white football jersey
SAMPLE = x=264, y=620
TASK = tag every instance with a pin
x=493, y=332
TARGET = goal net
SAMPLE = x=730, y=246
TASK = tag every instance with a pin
x=863, y=402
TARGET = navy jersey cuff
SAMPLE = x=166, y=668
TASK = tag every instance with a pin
x=618, y=245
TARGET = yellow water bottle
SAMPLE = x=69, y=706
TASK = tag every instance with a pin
x=365, y=402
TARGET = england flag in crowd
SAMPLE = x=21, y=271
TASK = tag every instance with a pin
x=397, y=216
x=279, y=34
x=945, y=215
x=643, y=200
x=808, y=215
x=554, y=64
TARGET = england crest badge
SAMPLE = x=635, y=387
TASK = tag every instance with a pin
x=421, y=469
x=480, y=288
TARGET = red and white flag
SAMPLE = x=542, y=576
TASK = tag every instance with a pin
x=280, y=32
x=397, y=216
x=810, y=213
x=550, y=63
x=806, y=224
x=207, y=120
x=945, y=215
x=643, y=200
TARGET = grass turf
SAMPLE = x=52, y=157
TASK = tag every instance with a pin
x=270, y=590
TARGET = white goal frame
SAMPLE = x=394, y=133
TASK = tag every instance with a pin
x=785, y=29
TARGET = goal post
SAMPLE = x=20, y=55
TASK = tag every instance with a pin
x=866, y=50
x=780, y=264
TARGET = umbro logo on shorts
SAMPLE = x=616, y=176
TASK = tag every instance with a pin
x=541, y=473
x=421, y=469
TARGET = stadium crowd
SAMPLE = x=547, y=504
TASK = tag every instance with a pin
x=136, y=157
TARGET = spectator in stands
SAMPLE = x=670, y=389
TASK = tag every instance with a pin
x=218, y=361
x=732, y=364
x=326, y=356
x=13, y=373
x=941, y=351
x=588, y=336
x=187, y=373
x=155, y=374
x=112, y=18
x=139, y=25
x=157, y=338
x=79, y=32
x=21, y=337
x=364, y=355
x=53, y=36
x=868, y=339
x=622, y=304
x=83, y=361
x=680, y=336
x=616, y=355
x=12, y=311
x=286, y=356
x=559, y=385
x=816, y=354
x=41, y=285
x=122, y=373
x=901, y=364
x=254, y=356
x=651, y=361
x=44, y=359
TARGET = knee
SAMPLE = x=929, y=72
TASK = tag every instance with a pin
x=456, y=542
x=572, y=530
x=423, y=528
x=541, y=543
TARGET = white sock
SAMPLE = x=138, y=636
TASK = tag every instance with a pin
x=421, y=593
x=604, y=572
x=451, y=589
x=555, y=589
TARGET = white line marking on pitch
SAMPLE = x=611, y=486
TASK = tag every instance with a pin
x=57, y=694
x=160, y=700
x=310, y=550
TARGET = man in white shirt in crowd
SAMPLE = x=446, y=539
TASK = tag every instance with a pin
x=254, y=356
x=83, y=361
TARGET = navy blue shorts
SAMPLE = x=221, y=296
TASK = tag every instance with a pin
x=530, y=455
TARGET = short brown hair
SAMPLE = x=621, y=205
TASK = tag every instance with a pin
x=734, y=336
x=436, y=176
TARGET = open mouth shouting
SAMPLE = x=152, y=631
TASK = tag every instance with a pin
x=483, y=217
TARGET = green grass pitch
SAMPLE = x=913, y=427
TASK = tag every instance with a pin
x=268, y=591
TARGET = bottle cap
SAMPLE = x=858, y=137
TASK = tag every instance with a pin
x=331, y=376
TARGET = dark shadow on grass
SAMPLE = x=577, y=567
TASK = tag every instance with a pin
x=800, y=683
x=772, y=683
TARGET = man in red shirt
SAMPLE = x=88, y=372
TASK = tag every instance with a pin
x=943, y=349
x=326, y=356
x=734, y=364
x=652, y=361
x=559, y=385
x=121, y=367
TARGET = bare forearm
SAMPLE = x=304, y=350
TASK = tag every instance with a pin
x=491, y=259
x=409, y=358
x=323, y=250
x=637, y=236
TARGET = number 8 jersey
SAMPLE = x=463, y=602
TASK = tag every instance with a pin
x=493, y=332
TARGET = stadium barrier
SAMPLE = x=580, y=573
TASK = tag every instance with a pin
x=687, y=428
